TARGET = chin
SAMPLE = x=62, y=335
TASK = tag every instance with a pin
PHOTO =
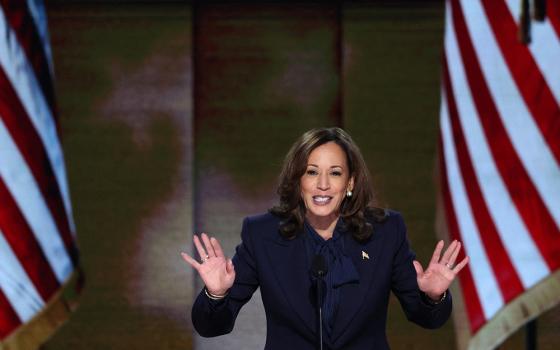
x=322, y=212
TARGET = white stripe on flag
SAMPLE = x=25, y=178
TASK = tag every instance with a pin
x=517, y=241
x=17, y=177
x=544, y=47
x=23, y=80
x=16, y=285
x=37, y=10
x=521, y=128
x=483, y=277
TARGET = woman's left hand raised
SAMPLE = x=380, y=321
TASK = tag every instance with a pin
x=441, y=271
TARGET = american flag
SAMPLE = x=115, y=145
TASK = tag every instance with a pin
x=38, y=254
x=499, y=161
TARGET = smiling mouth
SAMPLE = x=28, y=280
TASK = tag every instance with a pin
x=322, y=200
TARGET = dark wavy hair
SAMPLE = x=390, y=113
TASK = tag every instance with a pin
x=354, y=210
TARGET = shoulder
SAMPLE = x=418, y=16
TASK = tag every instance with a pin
x=264, y=225
x=264, y=219
x=384, y=217
x=391, y=224
x=394, y=217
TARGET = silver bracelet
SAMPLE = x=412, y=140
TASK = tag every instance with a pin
x=434, y=302
x=214, y=296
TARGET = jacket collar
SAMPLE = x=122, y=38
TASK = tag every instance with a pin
x=289, y=263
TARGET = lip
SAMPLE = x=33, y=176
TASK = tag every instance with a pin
x=322, y=200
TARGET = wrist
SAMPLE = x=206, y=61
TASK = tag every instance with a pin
x=435, y=299
x=215, y=296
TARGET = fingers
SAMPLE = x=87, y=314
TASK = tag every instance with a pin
x=460, y=265
x=446, y=258
x=455, y=253
x=199, y=248
x=437, y=253
x=217, y=247
x=418, y=268
x=209, y=248
x=190, y=260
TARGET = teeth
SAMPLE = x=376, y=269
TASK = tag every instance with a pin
x=321, y=199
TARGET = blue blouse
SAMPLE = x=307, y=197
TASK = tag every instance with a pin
x=340, y=268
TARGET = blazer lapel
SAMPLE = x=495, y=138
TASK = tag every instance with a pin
x=352, y=296
x=291, y=268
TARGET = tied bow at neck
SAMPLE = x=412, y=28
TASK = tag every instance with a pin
x=341, y=269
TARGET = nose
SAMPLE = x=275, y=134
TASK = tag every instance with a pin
x=323, y=182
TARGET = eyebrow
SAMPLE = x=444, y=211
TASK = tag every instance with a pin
x=334, y=166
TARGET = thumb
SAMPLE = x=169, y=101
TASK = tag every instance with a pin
x=418, y=268
x=230, y=268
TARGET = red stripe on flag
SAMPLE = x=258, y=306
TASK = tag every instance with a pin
x=506, y=275
x=18, y=16
x=25, y=246
x=472, y=303
x=29, y=143
x=528, y=78
x=553, y=15
x=526, y=198
x=9, y=320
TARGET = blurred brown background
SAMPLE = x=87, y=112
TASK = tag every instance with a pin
x=175, y=119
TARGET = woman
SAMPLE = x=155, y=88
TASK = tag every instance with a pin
x=326, y=208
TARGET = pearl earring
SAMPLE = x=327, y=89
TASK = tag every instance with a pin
x=348, y=193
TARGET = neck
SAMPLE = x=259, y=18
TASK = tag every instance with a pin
x=323, y=225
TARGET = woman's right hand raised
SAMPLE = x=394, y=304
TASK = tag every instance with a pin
x=216, y=271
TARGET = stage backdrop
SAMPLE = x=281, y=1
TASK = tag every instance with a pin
x=264, y=74
x=125, y=87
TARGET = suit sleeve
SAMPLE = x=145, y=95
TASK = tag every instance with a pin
x=217, y=317
x=405, y=286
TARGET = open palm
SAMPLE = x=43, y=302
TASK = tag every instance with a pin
x=437, y=278
x=216, y=271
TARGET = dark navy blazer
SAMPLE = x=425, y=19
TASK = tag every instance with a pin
x=280, y=268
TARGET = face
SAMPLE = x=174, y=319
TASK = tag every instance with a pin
x=325, y=182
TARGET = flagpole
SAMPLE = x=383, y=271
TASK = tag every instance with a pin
x=531, y=335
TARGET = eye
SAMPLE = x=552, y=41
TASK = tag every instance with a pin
x=336, y=173
x=311, y=172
